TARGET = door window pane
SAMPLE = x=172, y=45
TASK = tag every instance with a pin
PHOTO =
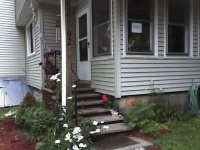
x=83, y=50
x=83, y=26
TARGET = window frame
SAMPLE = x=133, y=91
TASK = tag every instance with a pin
x=106, y=55
x=188, y=49
x=153, y=32
x=30, y=41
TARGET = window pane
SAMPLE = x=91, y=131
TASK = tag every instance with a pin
x=139, y=39
x=83, y=50
x=100, y=12
x=176, y=39
x=101, y=40
x=101, y=27
x=31, y=37
x=139, y=9
x=83, y=26
x=177, y=11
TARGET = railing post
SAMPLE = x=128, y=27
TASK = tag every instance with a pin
x=76, y=117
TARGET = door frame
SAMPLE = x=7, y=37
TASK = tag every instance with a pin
x=81, y=13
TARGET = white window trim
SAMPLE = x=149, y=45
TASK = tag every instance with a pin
x=27, y=37
x=106, y=57
x=190, y=34
x=155, y=33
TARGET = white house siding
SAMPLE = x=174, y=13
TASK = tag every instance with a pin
x=172, y=75
x=33, y=71
x=12, y=50
x=19, y=7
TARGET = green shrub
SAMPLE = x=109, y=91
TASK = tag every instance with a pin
x=140, y=116
x=28, y=102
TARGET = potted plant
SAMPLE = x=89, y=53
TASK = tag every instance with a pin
x=107, y=102
x=50, y=84
x=49, y=67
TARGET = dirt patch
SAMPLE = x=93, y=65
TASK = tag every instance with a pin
x=11, y=138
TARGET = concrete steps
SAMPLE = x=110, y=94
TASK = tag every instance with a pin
x=89, y=103
x=92, y=111
x=90, y=106
x=115, y=128
x=106, y=118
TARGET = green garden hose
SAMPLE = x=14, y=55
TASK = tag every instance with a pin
x=193, y=99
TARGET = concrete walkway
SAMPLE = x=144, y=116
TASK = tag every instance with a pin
x=121, y=143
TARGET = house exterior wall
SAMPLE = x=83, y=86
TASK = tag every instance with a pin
x=12, y=49
x=33, y=70
x=19, y=5
x=171, y=74
x=103, y=69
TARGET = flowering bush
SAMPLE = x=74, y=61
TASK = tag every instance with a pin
x=47, y=65
x=72, y=137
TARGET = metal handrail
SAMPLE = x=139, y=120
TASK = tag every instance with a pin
x=75, y=94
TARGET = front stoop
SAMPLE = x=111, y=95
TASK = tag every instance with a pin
x=90, y=106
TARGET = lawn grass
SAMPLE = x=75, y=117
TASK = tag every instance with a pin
x=4, y=111
x=183, y=136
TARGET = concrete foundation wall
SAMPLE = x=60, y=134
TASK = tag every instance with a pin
x=171, y=99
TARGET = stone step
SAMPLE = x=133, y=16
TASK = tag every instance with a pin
x=115, y=128
x=88, y=96
x=106, y=118
x=89, y=103
x=91, y=111
x=84, y=90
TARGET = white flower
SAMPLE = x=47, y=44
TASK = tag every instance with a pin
x=76, y=130
x=69, y=97
x=65, y=125
x=70, y=140
x=75, y=147
x=58, y=80
x=95, y=123
x=60, y=119
x=98, y=130
x=68, y=135
x=102, y=121
x=92, y=132
x=57, y=141
x=81, y=145
x=105, y=127
x=74, y=86
x=53, y=77
x=79, y=138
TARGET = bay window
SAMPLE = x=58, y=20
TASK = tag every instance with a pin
x=140, y=22
x=178, y=27
x=101, y=32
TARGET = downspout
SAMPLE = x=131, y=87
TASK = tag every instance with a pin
x=64, y=51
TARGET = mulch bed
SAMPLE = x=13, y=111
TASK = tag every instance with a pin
x=11, y=138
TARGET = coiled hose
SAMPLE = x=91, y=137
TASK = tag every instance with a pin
x=192, y=104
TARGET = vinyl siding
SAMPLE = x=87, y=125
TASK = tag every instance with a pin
x=12, y=50
x=170, y=74
x=19, y=5
x=33, y=71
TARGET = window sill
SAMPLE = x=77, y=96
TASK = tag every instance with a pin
x=31, y=55
x=177, y=57
x=102, y=58
x=139, y=56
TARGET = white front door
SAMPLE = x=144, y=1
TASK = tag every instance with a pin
x=83, y=45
